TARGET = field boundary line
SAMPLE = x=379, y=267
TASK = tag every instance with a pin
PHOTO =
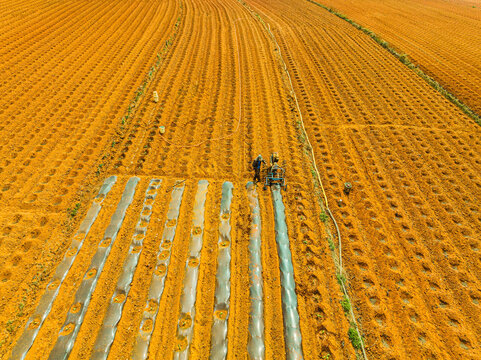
x=404, y=58
x=315, y=173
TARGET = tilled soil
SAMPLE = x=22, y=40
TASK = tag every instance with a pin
x=73, y=70
x=411, y=225
x=441, y=37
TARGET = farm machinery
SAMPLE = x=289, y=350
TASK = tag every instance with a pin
x=275, y=174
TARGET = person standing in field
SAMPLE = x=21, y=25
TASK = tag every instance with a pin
x=274, y=158
x=257, y=164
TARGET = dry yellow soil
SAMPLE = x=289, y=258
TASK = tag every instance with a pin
x=76, y=107
x=441, y=37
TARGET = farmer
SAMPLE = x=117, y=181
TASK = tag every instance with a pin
x=274, y=158
x=256, y=164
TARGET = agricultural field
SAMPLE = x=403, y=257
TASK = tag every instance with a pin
x=412, y=224
x=119, y=241
x=441, y=37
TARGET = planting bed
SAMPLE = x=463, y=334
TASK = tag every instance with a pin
x=105, y=309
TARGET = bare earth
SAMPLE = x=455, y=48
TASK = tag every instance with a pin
x=76, y=82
